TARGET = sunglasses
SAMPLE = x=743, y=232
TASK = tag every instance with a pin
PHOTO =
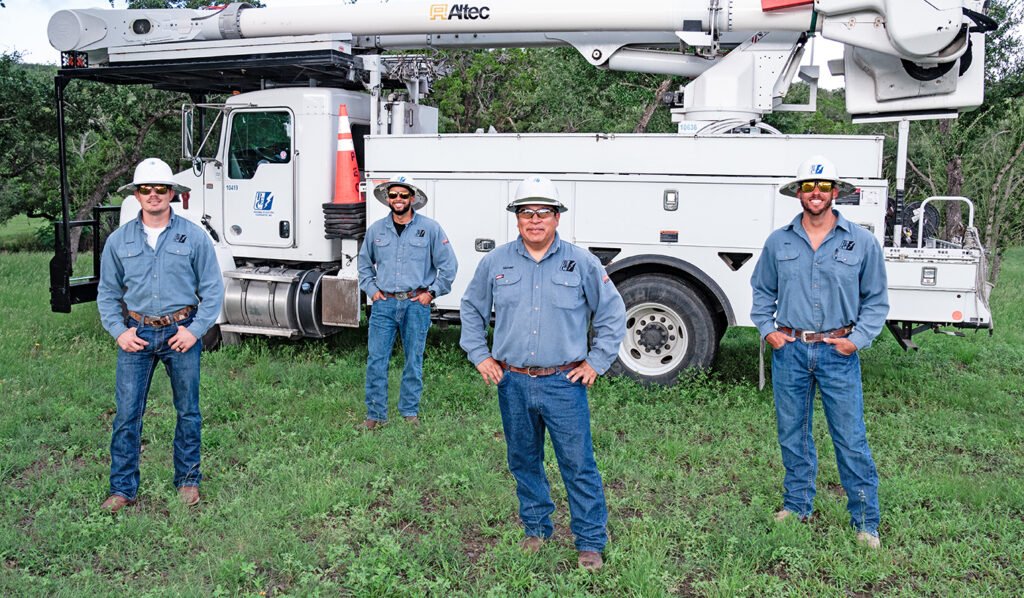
x=823, y=186
x=542, y=213
x=158, y=189
x=396, y=195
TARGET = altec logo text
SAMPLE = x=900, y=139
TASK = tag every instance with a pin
x=467, y=12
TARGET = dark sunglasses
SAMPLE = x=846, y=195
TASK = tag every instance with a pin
x=397, y=194
x=528, y=213
x=147, y=189
x=823, y=186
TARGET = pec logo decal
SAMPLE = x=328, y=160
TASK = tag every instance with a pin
x=848, y=245
x=180, y=238
x=461, y=12
x=421, y=233
x=264, y=201
x=568, y=265
x=817, y=169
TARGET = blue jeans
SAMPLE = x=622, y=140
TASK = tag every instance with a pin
x=388, y=318
x=797, y=369
x=528, y=407
x=134, y=376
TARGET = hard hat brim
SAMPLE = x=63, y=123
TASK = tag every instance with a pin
x=538, y=201
x=790, y=188
x=381, y=193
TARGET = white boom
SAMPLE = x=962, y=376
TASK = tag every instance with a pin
x=918, y=30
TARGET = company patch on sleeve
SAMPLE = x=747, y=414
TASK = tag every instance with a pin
x=499, y=277
x=444, y=241
x=605, y=278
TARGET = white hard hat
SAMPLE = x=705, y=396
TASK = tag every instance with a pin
x=815, y=168
x=401, y=180
x=536, y=190
x=154, y=171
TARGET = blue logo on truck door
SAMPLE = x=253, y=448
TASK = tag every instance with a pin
x=264, y=202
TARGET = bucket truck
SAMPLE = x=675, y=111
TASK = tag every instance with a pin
x=678, y=220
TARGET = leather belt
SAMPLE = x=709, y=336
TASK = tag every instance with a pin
x=810, y=336
x=402, y=295
x=536, y=372
x=166, y=320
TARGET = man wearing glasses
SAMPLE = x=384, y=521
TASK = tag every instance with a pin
x=405, y=262
x=820, y=297
x=160, y=290
x=546, y=293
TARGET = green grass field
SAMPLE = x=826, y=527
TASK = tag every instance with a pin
x=21, y=233
x=298, y=502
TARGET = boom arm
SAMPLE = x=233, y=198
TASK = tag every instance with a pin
x=919, y=30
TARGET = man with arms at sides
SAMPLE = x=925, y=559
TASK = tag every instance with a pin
x=544, y=291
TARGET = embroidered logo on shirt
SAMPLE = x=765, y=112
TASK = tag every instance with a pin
x=499, y=277
x=568, y=265
x=848, y=245
x=421, y=232
x=180, y=238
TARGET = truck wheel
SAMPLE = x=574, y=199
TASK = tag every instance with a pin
x=214, y=338
x=668, y=328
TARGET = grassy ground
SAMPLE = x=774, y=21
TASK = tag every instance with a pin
x=297, y=501
x=21, y=233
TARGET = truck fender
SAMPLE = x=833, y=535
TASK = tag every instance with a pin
x=641, y=264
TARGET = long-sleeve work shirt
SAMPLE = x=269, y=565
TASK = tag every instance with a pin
x=843, y=282
x=180, y=272
x=419, y=258
x=542, y=309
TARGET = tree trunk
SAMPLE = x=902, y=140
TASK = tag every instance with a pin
x=100, y=191
x=954, y=230
x=645, y=120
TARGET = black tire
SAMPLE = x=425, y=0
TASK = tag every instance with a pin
x=214, y=339
x=669, y=328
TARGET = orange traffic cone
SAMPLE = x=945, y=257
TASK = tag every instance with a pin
x=346, y=177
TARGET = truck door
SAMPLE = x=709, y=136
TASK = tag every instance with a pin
x=259, y=182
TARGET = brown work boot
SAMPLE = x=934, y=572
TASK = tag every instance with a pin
x=189, y=495
x=531, y=544
x=116, y=502
x=785, y=514
x=412, y=420
x=590, y=560
x=372, y=424
x=869, y=540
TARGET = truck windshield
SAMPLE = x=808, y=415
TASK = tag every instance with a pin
x=258, y=138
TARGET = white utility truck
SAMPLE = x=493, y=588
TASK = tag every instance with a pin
x=678, y=219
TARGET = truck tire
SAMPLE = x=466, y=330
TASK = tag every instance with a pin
x=214, y=338
x=669, y=328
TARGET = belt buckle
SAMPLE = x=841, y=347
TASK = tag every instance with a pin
x=806, y=333
x=529, y=370
x=402, y=295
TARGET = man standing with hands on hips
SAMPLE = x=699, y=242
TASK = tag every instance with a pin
x=544, y=291
x=820, y=296
x=160, y=290
x=405, y=262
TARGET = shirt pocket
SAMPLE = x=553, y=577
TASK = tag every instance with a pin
x=132, y=261
x=177, y=261
x=567, y=292
x=419, y=249
x=846, y=266
x=787, y=265
x=507, y=288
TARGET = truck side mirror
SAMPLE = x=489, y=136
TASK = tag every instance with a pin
x=187, y=120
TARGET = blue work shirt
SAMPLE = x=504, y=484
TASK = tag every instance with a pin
x=843, y=282
x=542, y=309
x=419, y=258
x=182, y=271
